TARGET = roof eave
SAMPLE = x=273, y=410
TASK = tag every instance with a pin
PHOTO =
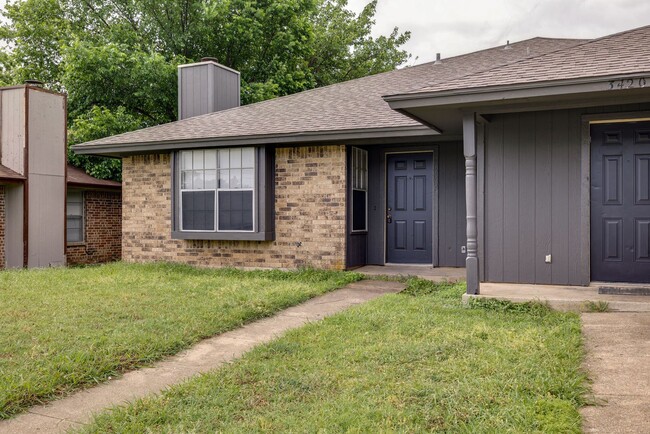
x=123, y=149
x=88, y=185
x=495, y=94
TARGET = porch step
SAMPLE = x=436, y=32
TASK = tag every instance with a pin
x=572, y=298
x=624, y=290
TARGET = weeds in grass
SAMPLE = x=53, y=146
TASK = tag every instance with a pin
x=418, y=287
x=597, y=306
x=67, y=328
x=537, y=308
x=411, y=362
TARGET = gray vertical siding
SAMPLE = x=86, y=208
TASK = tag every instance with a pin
x=532, y=182
x=376, y=239
x=46, y=182
x=14, y=226
x=12, y=129
x=206, y=88
x=450, y=208
x=451, y=205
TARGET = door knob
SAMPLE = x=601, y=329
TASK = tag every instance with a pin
x=389, y=218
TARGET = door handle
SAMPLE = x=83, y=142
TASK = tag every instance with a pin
x=389, y=218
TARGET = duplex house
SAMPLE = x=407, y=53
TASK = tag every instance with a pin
x=526, y=163
x=51, y=213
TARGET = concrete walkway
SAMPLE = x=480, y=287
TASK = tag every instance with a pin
x=618, y=360
x=78, y=408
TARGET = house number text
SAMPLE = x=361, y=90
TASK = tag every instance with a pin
x=628, y=83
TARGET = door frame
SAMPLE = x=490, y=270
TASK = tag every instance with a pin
x=435, y=204
x=585, y=196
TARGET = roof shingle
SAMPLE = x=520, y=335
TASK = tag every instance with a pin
x=79, y=177
x=348, y=106
x=619, y=54
x=9, y=175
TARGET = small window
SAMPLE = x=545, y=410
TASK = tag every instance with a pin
x=217, y=190
x=359, y=190
x=75, y=217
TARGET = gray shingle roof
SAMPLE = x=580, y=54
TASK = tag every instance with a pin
x=79, y=177
x=619, y=54
x=349, y=106
x=9, y=175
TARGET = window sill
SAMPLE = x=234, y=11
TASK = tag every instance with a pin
x=224, y=236
x=76, y=244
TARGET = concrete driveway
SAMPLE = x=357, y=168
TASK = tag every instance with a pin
x=618, y=360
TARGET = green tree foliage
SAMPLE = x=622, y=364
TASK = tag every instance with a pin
x=117, y=59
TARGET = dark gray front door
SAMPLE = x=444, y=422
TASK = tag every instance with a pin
x=620, y=202
x=409, y=204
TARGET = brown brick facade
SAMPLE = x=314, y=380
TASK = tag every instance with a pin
x=309, y=214
x=2, y=227
x=103, y=229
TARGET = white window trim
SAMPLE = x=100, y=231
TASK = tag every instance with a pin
x=83, y=220
x=216, y=195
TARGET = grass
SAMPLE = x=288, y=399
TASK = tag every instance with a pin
x=596, y=306
x=64, y=329
x=410, y=362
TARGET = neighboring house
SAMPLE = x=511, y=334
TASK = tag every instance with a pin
x=527, y=163
x=93, y=219
x=34, y=178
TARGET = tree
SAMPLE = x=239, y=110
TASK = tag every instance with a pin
x=117, y=59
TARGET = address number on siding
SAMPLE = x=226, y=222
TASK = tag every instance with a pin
x=628, y=83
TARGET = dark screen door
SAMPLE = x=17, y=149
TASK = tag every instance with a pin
x=409, y=208
x=620, y=202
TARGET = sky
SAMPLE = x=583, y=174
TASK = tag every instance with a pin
x=453, y=27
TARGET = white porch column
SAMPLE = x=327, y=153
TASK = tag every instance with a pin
x=471, y=200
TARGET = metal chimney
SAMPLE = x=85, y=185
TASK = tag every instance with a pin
x=206, y=87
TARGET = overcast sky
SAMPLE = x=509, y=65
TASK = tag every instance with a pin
x=454, y=27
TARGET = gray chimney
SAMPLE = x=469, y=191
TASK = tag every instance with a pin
x=206, y=87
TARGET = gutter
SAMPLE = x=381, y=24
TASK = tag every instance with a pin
x=459, y=97
x=119, y=149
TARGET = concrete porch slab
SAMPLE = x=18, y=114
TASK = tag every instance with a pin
x=438, y=274
x=566, y=298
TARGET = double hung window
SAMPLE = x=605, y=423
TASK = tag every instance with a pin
x=218, y=190
x=75, y=216
x=359, y=190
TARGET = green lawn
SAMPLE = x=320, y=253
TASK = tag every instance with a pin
x=411, y=362
x=62, y=329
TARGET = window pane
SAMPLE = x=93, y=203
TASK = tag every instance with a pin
x=224, y=158
x=248, y=157
x=186, y=179
x=235, y=158
x=235, y=210
x=74, y=229
x=197, y=211
x=359, y=210
x=210, y=158
x=235, y=178
x=210, y=179
x=186, y=160
x=224, y=179
x=197, y=179
x=248, y=178
x=197, y=160
x=74, y=209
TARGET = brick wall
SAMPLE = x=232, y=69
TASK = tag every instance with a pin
x=2, y=227
x=309, y=208
x=103, y=229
